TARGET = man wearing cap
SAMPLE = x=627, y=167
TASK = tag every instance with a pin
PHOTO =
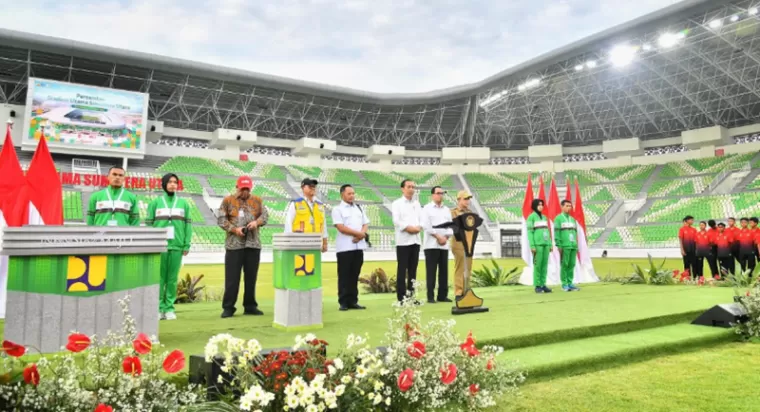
x=172, y=213
x=113, y=206
x=307, y=214
x=457, y=248
x=436, y=245
x=241, y=215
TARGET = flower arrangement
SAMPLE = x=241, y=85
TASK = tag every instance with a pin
x=422, y=368
x=122, y=371
x=750, y=301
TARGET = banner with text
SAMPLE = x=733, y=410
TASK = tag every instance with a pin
x=78, y=179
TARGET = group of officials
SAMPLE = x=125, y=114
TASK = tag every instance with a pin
x=720, y=244
x=242, y=214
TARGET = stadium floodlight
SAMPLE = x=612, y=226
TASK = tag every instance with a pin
x=493, y=99
x=578, y=67
x=529, y=84
x=668, y=40
x=647, y=47
x=716, y=24
x=734, y=18
x=753, y=11
x=591, y=64
x=622, y=55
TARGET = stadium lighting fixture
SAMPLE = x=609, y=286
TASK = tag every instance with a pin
x=578, y=67
x=647, y=47
x=668, y=40
x=734, y=18
x=716, y=24
x=591, y=64
x=753, y=11
x=496, y=97
x=529, y=84
x=622, y=55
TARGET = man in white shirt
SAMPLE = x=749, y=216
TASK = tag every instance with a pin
x=406, y=222
x=307, y=214
x=436, y=246
x=352, y=225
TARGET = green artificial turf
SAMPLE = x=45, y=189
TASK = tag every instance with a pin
x=720, y=378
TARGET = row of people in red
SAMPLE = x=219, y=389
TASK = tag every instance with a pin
x=720, y=244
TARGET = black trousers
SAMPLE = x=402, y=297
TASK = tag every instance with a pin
x=437, y=260
x=747, y=261
x=688, y=263
x=234, y=260
x=698, y=266
x=406, y=270
x=712, y=260
x=726, y=263
x=349, y=268
x=734, y=257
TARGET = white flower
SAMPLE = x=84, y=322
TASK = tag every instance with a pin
x=378, y=386
x=292, y=402
x=312, y=408
x=331, y=370
x=361, y=371
x=377, y=400
x=346, y=379
x=338, y=362
x=340, y=390
x=388, y=401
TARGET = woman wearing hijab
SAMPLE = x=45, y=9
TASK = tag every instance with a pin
x=172, y=213
x=540, y=242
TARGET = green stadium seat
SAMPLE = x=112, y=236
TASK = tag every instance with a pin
x=611, y=174
x=680, y=187
x=72, y=205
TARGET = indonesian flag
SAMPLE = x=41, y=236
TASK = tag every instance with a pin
x=526, y=211
x=568, y=191
x=45, y=190
x=11, y=183
x=552, y=210
x=584, y=270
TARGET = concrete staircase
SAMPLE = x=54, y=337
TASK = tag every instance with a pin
x=652, y=178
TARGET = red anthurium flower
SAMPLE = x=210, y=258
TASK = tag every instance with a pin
x=132, y=365
x=472, y=351
x=416, y=350
x=747, y=293
x=13, y=349
x=676, y=272
x=449, y=375
x=405, y=380
x=491, y=363
x=717, y=277
x=474, y=389
x=701, y=281
x=31, y=375
x=103, y=408
x=78, y=342
x=142, y=344
x=174, y=362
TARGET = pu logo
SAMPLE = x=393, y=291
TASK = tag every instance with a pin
x=86, y=273
x=304, y=265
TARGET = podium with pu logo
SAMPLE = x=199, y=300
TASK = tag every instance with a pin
x=297, y=266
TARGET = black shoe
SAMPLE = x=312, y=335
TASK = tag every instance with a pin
x=343, y=308
x=357, y=306
x=431, y=301
x=539, y=289
x=547, y=290
x=417, y=302
x=445, y=300
x=227, y=314
x=254, y=312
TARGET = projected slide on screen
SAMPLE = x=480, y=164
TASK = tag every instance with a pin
x=74, y=117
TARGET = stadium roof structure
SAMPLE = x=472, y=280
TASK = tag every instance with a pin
x=690, y=65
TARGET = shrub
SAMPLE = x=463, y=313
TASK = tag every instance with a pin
x=750, y=301
x=495, y=276
x=188, y=290
x=653, y=275
x=378, y=282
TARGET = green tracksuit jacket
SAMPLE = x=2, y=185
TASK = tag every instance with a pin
x=540, y=240
x=566, y=239
x=172, y=211
x=110, y=204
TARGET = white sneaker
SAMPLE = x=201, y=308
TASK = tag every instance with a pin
x=161, y=316
x=171, y=316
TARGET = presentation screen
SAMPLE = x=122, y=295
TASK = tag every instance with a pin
x=75, y=118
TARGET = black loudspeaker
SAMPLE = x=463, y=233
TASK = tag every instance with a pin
x=238, y=137
x=321, y=145
x=153, y=128
x=390, y=152
x=13, y=113
x=722, y=316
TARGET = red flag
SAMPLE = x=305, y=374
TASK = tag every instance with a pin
x=528, y=202
x=526, y=211
x=541, y=189
x=578, y=213
x=568, y=191
x=45, y=189
x=552, y=208
x=11, y=181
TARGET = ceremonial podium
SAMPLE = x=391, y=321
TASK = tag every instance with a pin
x=297, y=281
x=63, y=279
x=465, y=228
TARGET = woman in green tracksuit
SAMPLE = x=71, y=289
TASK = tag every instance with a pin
x=540, y=242
x=173, y=213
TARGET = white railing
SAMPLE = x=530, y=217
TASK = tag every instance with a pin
x=728, y=170
x=610, y=213
x=629, y=244
x=85, y=166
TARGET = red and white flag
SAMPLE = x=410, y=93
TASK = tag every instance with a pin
x=11, y=184
x=584, y=270
x=45, y=190
x=552, y=210
x=526, y=211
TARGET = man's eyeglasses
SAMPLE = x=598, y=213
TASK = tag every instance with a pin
x=439, y=193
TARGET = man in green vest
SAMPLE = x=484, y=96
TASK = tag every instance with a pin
x=113, y=206
x=173, y=213
x=540, y=243
x=566, y=240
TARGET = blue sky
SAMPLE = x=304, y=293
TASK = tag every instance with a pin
x=382, y=46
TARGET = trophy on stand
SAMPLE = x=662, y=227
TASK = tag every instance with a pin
x=465, y=227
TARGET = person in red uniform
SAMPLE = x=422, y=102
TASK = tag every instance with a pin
x=688, y=248
x=756, y=230
x=703, y=249
x=722, y=244
x=733, y=233
x=712, y=259
x=746, y=239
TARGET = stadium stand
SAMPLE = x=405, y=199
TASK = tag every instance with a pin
x=611, y=174
x=72, y=205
